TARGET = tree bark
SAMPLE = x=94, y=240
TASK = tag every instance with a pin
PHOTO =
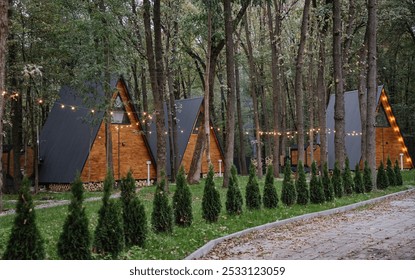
x=241, y=154
x=230, y=98
x=371, y=88
x=4, y=28
x=299, y=82
x=362, y=92
x=339, y=111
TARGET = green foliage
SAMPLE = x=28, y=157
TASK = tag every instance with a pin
x=337, y=181
x=162, y=215
x=391, y=173
x=75, y=240
x=270, y=198
x=234, y=199
x=182, y=201
x=316, y=186
x=382, y=181
x=367, y=178
x=211, y=204
x=252, y=195
x=303, y=193
x=348, y=184
x=134, y=215
x=327, y=185
x=109, y=232
x=25, y=242
x=288, y=192
x=358, y=180
x=397, y=169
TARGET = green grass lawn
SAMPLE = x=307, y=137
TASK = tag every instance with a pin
x=182, y=241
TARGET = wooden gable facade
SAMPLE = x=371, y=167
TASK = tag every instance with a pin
x=73, y=138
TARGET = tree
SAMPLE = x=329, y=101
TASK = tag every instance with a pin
x=270, y=198
x=211, y=204
x=337, y=181
x=339, y=111
x=303, y=192
x=327, y=184
x=134, y=215
x=382, y=181
x=348, y=184
x=4, y=28
x=288, y=192
x=182, y=201
x=234, y=199
x=109, y=232
x=391, y=173
x=75, y=240
x=252, y=193
x=316, y=186
x=399, y=181
x=162, y=215
x=367, y=178
x=358, y=180
x=25, y=242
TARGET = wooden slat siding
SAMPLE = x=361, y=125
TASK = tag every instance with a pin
x=316, y=155
x=294, y=156
x=134, y=154
x=215, y=154
x=28, y=159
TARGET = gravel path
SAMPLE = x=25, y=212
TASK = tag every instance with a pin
x=385, y=230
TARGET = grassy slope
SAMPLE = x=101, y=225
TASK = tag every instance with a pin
x=184, y=241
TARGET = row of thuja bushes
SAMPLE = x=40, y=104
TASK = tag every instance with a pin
x=122, y=224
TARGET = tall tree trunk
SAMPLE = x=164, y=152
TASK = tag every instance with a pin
x=371, y=88
x=274, y=36
x=230, y=98
x=4, y=28
x=299, y=82
x=241, y=153
x=254, y=94
x=155, y=67
x=339, y=111
x=362, y=92
x=143, y=81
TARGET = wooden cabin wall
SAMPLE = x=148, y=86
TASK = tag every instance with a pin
x=26, y=162
x=294, y=157
x=316, y=154
x=215, y=154
x=389, y=143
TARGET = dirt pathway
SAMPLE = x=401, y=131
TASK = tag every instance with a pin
x=385, y=230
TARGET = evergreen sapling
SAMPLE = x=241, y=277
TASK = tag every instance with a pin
x=327, y=185
x=316, y=186
x=234, y=199
x=252, y=194
x=270, y=198
x=182, y=201
x=382, y=181
x=390, y=173
x=162, y=215
x=211, y=204
x=399, y=181
x=288, y=192
x=367, y=178
x=337, y=181
x=303, y=193
x=348, y=184
x=358, y=180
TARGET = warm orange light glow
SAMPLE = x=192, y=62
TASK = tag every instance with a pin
x=62, y=106
x=73, y=108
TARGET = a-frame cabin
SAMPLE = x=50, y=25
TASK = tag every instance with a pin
x=73, y=138
x=189, y=117
x=389, y=140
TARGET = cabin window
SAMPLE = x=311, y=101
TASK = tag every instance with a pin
x=381, y=118
x=119, y=114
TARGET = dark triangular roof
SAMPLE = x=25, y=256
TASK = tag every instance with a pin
x=187, y=112
x=68, y=134
x=352, y=124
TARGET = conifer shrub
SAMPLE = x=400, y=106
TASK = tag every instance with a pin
x=397, y=169
x=75, y=240
x=367, y=178
x=182, y=201
x=109, y=232
x=134, y=215
x=25, y=241
x=162, y=215
x=390, y=173
x=288, y=192
x=211, y=204
x=234, y=199
x=316, y=186
x=327, y=185
x=348, y=183
x=382, y=181
x=303, y=192
x=337, y=181
x=270, y=198
x=252, y=193
x=358, y=180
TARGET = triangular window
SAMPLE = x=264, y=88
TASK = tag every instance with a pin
x=381, y=118
x=119, y=114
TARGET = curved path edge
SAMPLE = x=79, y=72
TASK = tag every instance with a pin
x=202, y=251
